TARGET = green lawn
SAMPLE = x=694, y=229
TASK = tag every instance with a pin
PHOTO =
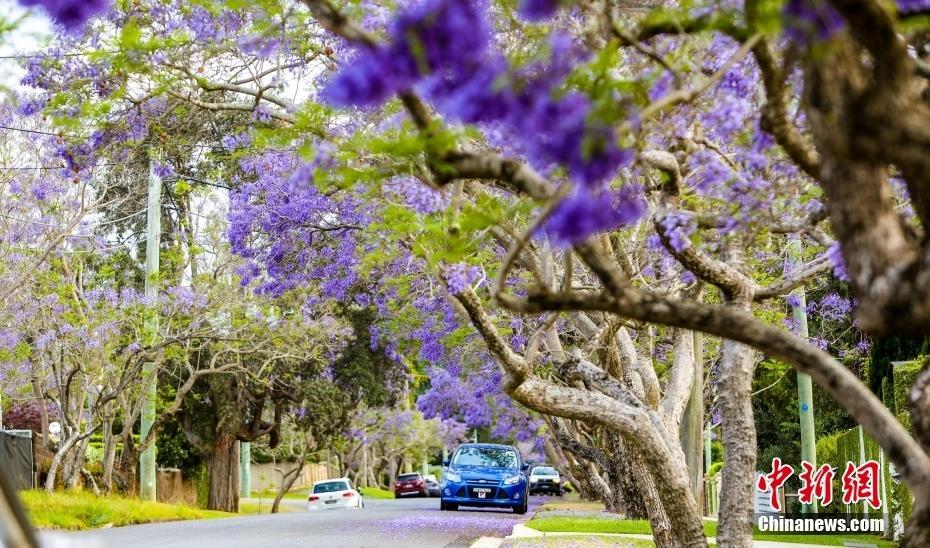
x=76, y=511
x=606, y=524
x=296, y=493
x=252, y=508
x=376, y=493
x=599, y=524
x=575, y=541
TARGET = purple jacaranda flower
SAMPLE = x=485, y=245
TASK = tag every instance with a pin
x=677, y=229
x=584, y=213
x=835, y=256
x=163, y=170
x=460, y=277
x=71, y=14
x=538, y=10
x=807, y=21
x=913, y=6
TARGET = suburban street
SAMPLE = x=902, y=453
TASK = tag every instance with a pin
x=403, y=522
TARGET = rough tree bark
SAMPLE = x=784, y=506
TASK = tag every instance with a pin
x=739, y=445
x=223, y=472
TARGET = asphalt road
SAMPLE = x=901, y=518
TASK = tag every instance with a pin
x=403, y=523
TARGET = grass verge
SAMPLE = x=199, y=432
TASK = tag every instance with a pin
x=575, y=541
x=76, y=511
x=376, y=493
x=254, y=508
x=595, y=523
x=270, y=494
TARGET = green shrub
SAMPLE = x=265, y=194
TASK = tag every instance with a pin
x=904, y=377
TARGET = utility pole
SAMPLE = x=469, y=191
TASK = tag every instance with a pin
x=150, y=331
x=693, y=421
x=708, y=452
x=805, y=387
x=245, y=469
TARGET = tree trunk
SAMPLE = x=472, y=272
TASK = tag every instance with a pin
x=125, y=473
x=287, y=481
x=223, y=471
x=658, y=518
x=76, y=464
x=43, y=412
x=62, y=452
x=109, y=454
x=739, y=446
x=627, y=474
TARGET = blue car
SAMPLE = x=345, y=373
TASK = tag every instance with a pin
x=485, y=475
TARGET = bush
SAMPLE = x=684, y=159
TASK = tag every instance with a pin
x=904, y=377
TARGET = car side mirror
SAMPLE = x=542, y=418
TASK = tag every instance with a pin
x=525, y=467
x=445, y=462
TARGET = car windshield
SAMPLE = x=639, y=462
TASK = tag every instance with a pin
x=408, y=477
x=544, y=471
x=500, y=457
x=330, y=487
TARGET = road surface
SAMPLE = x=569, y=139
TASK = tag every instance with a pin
x=404, y=523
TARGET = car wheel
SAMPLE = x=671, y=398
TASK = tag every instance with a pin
x=521, y=509
x=447, y=506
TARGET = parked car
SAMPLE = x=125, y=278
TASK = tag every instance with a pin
x=432, y=485
x=545, y=480
x=334, y=493
x=410, y=484
x=485, y=475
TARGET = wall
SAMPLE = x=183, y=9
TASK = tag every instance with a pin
x=265, y=477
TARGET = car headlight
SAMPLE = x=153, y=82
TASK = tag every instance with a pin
x=453, y=476
x=533, y=480
x=512, y=480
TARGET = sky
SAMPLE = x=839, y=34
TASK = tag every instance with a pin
x=33, y=31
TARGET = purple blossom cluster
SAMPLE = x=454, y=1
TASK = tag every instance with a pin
x=437, y=37
x=471, y=83
x=584, y=213
x=913, y=6
x=459, y=277
x=538, y=10
x=808, y=21
x=422, y=198
x=835, y=256
x=71, y=14
x=834, y=307
x=290, y=232
x=677, y=228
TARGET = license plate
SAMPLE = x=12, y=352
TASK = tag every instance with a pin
x=482, y=493
x=330, y=502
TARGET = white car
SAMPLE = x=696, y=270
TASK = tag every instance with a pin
x=545, y=479
x=334, y=493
